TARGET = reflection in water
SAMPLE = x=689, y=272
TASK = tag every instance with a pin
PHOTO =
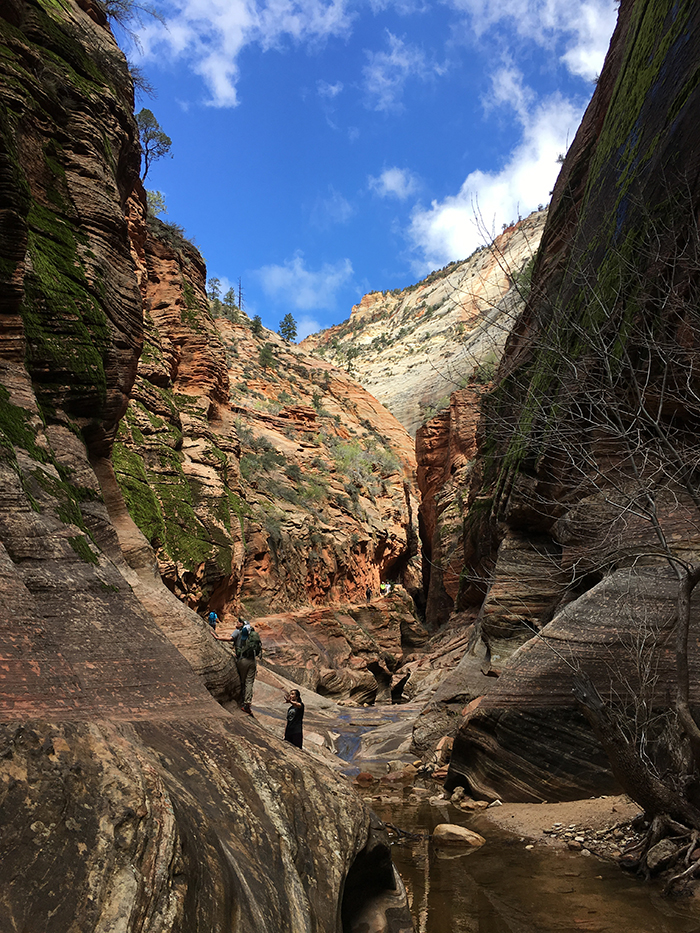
x=505, y=888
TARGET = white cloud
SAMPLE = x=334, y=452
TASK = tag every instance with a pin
x=403, y=7
x=594, y=25
x=307, y=325
x=386, y=73
x=507, y=89
x=583, y=27
x=327, y=90
x=453, y=228
x=301, y=288
x=209, y=34
x=332, y=209
x=394, y=182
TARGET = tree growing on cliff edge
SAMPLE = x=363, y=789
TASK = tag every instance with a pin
x=155, y=201
x=231, y=309
x=214, y=295
x=288, y=328
x=599, y=394
x=155, y=143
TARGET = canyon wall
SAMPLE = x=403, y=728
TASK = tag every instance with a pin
x=412, y=347
x=575, y=515
x=268, y=483
x=129, y=797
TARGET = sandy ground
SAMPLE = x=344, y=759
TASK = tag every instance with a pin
x=532, y=819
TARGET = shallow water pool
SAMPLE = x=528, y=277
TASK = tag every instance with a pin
x=505, y=888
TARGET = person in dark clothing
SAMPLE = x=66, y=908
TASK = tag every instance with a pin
x=295, y=714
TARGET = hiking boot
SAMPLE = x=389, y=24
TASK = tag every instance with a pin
x=246, y=709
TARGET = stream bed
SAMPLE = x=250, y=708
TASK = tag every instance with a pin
x=505, y=888
x=502, y=887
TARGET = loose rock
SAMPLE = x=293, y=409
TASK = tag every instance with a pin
x=450, y=834
x=660, y=855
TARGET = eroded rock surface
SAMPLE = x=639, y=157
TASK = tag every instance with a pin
x=129, y=798
x=412, y=348
x=354, y=654
x=563, y=579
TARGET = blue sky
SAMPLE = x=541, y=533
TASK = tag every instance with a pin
x=326, y=148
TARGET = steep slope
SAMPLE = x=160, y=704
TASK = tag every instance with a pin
x=412, y=348
x=555, y=539
x=265, y=480
x=129, y=798
x=240, y=452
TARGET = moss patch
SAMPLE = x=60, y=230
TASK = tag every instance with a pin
x=67, y=333
x=82, y=548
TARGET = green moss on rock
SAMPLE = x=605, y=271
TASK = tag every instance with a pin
x=82, y=548
x=141, y=501
x=67, y=333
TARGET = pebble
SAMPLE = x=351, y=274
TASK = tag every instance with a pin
x=605, y=843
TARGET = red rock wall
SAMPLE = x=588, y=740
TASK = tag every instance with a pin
x=528, y=530
x=445, y=449
x=129, y=798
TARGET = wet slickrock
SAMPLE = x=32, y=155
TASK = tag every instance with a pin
x=129, y=798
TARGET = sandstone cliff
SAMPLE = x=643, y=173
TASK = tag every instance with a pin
x=129, y=798
x=555, y=541
x=412, y=348
x=264, y=479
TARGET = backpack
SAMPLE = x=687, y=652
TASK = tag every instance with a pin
x=252, y=646
x=213, y=618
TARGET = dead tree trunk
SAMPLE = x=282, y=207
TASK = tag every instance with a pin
x=635, y=777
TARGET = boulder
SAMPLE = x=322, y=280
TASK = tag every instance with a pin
x=449, y=834
x=661, y=855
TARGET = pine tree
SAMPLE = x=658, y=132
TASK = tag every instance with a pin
x=154, y=142
x=288, y=328
x=266, y=357
x=231, y=306
x=214, y=292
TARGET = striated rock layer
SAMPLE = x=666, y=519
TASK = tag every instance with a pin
x=129, y=798
x=445, y=451
x=263, y=478
x=412, y=348
x=549, y=548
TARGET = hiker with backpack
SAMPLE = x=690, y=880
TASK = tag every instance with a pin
x=248, y=648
